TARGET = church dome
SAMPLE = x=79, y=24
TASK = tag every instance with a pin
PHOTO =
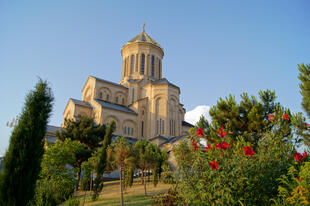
x=143, y=37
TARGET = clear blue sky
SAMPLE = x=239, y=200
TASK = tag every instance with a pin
x=212, y=48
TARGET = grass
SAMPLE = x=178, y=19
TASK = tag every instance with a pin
x=134, y=195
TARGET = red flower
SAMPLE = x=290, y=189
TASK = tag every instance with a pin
x=248, y=151
x=304, y=155
x=306, y=125
x=299, y=157
x=199, y=132
x=271, y=117
x=221, y=133
x=207, y=148
x=299, y=179
x=195, y=145
x=213, y=165
x=223, y=145
x=182, y=157
x=285, y=116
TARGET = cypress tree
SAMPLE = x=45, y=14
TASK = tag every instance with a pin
x=98, y=183
x=21, y=165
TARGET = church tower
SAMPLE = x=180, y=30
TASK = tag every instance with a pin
x=142, y=58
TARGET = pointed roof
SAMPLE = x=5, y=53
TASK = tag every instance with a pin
x=143, y=37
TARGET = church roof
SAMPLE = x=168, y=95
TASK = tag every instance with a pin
x=184, y=123
x=158, y=137
x=81, y=103
x=52, y=129
x=144, y=37
x=106, y=81
x=172, y=140
x=110, y=105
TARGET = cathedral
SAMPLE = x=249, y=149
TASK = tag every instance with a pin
x=144, y=105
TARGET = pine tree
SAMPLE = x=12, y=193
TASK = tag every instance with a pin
x=21, y=165
x=304, y=77
x=249, y=118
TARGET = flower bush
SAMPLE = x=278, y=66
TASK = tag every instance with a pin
x=231, y=172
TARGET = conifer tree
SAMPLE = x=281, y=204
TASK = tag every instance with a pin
x=21, y=165
x=304, y=77
x=102, y=160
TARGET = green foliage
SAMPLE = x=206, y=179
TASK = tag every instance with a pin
x=100, y=160
x=239, y=179
x=71, y=202
x=21, y=164
x=250, y=119
x=87, y=132
x=120, y=156
x=304, y=77
x=56, y=183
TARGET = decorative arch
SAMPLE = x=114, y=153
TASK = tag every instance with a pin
x=87, y=94
x=119, y=98
x=129, y=128
x=105, y=93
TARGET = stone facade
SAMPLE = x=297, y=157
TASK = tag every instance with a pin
x=143, y=104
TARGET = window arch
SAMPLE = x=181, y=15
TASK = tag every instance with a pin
x=142, y=64
x=132, y=68
x=153, y=66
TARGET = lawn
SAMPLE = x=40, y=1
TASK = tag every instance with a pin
x=110, y=194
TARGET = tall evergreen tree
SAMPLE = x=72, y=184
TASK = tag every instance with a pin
x=304, y=77
x=21, y=165
x=102, y=160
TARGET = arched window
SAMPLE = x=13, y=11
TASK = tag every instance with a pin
x=128, y=131
x=132, y=63
x=123, y=101
x=124, y=130
x=142, y=128
x=131, y=131
x=116, y=99
x=100, y=95
x=133, y=95
x=142, y=64
x=108, y=97
x=152, y=66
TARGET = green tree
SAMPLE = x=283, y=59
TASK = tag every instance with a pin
x=56, y=183
x=147, y=157
x=21, y=165
x=304, y=77
x=86, y=131
x=120, y=156
x=250, y=118
x=101, y=160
